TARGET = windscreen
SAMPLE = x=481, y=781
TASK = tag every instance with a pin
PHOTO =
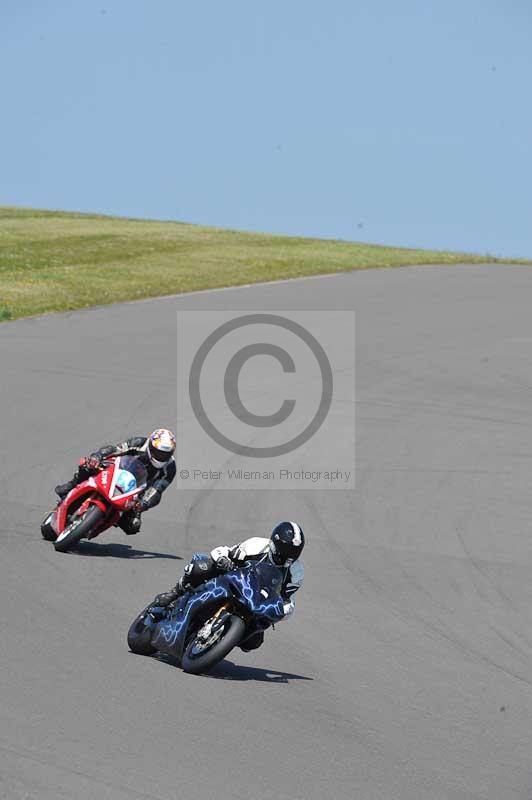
x=269, y=576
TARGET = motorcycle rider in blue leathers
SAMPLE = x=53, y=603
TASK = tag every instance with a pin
x=283, y=549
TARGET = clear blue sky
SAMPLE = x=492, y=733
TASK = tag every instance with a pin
x=405, y=123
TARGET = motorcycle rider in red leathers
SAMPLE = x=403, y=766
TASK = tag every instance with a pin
x=156, y=453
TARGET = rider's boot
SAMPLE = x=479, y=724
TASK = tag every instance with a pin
x=252, y=642
x=130, y=522
x=64, y=488
x=162, y=602
x=81, y=474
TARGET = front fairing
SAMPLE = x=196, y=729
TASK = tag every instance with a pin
x=259, y=588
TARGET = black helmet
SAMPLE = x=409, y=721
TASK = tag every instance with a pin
x=286, y=543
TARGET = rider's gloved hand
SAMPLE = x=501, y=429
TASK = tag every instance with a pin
x=93, y=462
x=224, y=564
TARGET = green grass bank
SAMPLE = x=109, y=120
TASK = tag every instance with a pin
x=56, y=261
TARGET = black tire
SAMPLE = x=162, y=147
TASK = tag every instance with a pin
x=139, y=637
x=91, y=518
x=234, y=630
x=47, y=532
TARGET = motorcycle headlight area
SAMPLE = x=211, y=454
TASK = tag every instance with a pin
x=125, y=481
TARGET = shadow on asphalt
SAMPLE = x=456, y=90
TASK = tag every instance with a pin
x=227, y=671
x=118, y=551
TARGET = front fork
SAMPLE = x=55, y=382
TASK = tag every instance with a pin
x=214, y=623
x=222, y=608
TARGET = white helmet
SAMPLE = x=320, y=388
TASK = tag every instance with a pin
x=161, y=447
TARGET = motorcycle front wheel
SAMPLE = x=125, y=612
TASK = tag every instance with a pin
x=78, y=529
x=197, y=659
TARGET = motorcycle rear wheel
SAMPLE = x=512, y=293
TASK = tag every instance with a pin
x=47, y=532
x=80, y=529
x=234, y=630
x=139, y=637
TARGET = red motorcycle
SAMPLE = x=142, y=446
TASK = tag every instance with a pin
x=97, y=503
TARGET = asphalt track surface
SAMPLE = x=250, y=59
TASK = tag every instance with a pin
x=406, y=671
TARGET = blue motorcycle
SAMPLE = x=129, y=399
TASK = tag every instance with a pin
x=204, y=625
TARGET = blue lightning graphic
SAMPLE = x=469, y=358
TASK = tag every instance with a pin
x=215, y=589
x=265, y=609
x=171, y=631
